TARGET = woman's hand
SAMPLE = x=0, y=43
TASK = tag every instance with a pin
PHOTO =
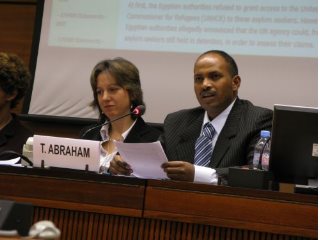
x=119, y=167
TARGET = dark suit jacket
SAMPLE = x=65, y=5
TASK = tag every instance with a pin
x=235, y=144
x=13, y=137
x=140, y=133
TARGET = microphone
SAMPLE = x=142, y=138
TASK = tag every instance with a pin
x=138, y=111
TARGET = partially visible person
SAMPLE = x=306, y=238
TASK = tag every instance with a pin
x=233, y=124
x=117, y=91
x=14, y=82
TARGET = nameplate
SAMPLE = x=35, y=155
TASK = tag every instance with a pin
x=66, y=153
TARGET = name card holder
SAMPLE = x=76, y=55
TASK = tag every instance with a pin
x=66, y=153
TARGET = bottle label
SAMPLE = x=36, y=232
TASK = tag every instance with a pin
x=255, y=160
x=265, y=161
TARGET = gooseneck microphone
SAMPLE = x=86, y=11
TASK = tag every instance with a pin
x=138, y=111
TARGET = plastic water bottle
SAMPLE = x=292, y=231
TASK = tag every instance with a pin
x=266, y=155
x=262, y=150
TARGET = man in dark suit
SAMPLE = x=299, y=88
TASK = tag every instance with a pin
x=237, y=123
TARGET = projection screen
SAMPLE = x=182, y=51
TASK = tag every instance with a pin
x=275, y=44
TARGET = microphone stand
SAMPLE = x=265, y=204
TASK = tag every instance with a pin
x=138, y=111
x=105, y=123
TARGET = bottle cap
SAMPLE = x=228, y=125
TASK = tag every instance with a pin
x=265, y=134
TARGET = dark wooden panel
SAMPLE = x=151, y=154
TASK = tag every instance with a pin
x=168, y=230
x=59, y=129
x=94, y=206
x=229, y=210
x=17, y=24
x=79, y=225
x=74, y=194
x=17, y=20
x=234, y=191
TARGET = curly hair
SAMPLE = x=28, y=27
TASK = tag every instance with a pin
x=14, y=76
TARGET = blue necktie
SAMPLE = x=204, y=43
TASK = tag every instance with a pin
x=203, y=147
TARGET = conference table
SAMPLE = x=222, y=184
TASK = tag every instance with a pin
x=86, y=205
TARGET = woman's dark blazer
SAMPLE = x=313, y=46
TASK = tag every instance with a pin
x=141, y=132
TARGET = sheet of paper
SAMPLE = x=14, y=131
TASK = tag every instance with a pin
x=145, y=159
x=11, y=162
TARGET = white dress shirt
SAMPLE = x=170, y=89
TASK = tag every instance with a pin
x=206, y=174
x=105, y=157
